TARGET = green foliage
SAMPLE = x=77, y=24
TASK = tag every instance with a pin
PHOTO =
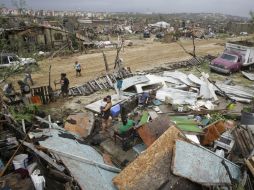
x=216, y=117
x=27, y=112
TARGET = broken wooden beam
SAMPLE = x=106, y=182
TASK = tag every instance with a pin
x=44, y=156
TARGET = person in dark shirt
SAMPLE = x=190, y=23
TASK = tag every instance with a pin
x=25, y=92
x=9, y=92
x=64, y=85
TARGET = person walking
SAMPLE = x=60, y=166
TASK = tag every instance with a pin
x=28, y=76
x=119, y=84
x=78, y=69
x=64, y=81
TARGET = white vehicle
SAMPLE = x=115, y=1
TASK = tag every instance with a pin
x=10, y=59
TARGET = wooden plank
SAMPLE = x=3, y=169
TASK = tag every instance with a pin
x=239, y=142
x=245, y=141
x=250, y=166
x=246, y=134
x=251, y=136
x=44, y=156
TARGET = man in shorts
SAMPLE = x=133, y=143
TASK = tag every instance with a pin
x=78, y=69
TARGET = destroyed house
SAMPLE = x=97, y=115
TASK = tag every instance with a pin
x=36, y=37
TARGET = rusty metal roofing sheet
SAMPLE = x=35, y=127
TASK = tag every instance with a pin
x=151, y=131
x=80, y=123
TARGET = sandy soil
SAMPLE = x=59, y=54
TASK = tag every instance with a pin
x=142, y=55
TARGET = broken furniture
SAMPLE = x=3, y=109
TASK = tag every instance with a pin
x=226, y=141
x=45, y=93
x=212, y=132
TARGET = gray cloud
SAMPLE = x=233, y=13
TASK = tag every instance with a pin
x=233, y=7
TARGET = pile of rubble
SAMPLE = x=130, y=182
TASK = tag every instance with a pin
x=186, y=134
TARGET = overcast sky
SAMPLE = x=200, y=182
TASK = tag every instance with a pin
x=233, y=7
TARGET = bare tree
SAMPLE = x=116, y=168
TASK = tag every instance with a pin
x=118, y=49
x=193, y=53
x=105, y=61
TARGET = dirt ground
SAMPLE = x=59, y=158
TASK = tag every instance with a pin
x=144, y=54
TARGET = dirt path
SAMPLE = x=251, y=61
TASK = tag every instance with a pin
x=142, y=56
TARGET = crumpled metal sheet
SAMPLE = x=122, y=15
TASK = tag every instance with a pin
x=88, y=176
x=202, y=166
x=250, y=76
x=180, y=76
x=132, y=81
x=177, y=96
x=236, y=90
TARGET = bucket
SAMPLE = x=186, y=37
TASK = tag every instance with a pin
x=20, y=161
x=38, y=180
x=115, y=110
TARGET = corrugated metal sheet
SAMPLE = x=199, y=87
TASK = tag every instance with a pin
x=202, y=166
x=180, y=76
x=131, y=81
x=88, y=176
x=250, y=76
x=177, y=96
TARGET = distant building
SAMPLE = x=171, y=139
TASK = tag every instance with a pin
x=37, y=37
x=237, y=28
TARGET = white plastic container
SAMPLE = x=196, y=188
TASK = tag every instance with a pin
x=20, y=161
x=38, y=180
